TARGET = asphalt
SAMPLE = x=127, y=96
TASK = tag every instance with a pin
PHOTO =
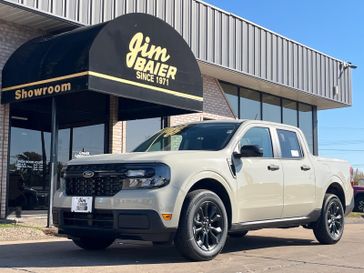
x=273, y=250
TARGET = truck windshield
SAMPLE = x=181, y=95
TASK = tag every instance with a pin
x=201, y=136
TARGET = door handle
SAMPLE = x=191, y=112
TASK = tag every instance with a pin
x=273, y=167
x=305, y=168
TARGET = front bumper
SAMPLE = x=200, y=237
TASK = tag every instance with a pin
x=122, y=224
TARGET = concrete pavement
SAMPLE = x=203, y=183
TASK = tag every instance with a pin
x=273, y=250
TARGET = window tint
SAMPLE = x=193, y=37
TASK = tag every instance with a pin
x=259, y=136
x=290, y=146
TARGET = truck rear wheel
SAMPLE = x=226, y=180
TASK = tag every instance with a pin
x=203, y=227
x=91, y=243
x=330, y=226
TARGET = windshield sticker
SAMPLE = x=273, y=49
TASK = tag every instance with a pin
x=295, y=153
x=173, y=130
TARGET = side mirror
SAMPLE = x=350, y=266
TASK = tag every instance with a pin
x=250, y=151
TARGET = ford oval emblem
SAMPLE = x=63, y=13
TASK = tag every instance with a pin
x=88, y=174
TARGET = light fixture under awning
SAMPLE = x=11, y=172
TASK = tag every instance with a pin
x=136, y=57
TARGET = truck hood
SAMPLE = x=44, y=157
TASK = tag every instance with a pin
x=145, y=157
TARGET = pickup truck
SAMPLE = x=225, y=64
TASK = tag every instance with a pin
x=359, y=196
x=196, y=184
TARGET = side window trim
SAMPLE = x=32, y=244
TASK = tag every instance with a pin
x=299, y=141
x=271, y=135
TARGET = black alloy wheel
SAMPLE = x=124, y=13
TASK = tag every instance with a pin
x=335, y=218
x=208, y=226
x=203, y=226
x=329, y=228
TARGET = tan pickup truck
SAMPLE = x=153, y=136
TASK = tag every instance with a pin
x=198, y=183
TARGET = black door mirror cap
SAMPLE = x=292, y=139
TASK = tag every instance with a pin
x=249, y=151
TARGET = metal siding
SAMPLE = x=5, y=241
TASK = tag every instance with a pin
x=238, y=44
x=220, y=38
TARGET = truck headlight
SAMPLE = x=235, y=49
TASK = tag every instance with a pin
x=146, y=176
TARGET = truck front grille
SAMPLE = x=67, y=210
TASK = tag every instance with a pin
x=98, y=186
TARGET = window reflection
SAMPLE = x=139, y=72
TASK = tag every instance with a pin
x=231, y=94
x=271, y=108
x=249, y=104
x=28, y=169
x=306, y=122
x=137, y=131
x=88, y=140
x=290, y=115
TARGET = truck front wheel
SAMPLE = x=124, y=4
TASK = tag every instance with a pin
x=330, y=226
x=203, y=227
x=90, y=243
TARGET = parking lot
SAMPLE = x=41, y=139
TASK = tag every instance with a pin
x=273, y=250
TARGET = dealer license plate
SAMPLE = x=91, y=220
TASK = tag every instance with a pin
x=81, y=204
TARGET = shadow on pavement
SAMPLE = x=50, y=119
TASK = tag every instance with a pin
x=65, y=254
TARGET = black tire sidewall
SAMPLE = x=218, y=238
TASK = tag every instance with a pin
x=192, y=208
x=329, y=200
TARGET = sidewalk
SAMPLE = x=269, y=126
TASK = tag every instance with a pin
x=31, y=226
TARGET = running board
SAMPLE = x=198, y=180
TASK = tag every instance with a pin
x=276, y=223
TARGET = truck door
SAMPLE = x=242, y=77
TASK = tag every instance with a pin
x=299, y=177
x=260, y=179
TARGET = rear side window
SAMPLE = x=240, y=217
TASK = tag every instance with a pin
x=290, y=146
x=259, y=136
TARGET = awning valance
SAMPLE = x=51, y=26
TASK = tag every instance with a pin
x=135, y=56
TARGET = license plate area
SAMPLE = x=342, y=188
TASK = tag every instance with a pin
x=81, y=204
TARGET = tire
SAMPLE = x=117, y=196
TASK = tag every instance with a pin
x=90, y=243
x=203, y=227
x=238, y=234
x=359, y=203
x=330, y=226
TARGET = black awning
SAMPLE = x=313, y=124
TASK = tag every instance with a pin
x=135, y=56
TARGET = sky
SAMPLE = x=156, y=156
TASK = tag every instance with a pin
x=334, y=27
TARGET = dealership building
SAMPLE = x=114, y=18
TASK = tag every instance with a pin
x=85, y=77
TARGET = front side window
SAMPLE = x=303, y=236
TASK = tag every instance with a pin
x=290, y=146
x=259, y=136
x=201, y=136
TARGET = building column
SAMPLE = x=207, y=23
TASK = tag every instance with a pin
x=116, y=128
x=4, y=149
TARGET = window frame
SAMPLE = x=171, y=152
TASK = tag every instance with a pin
x=299, y=140
x=275, y=152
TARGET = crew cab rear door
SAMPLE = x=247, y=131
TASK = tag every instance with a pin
x=260, y=179
x=299, y=176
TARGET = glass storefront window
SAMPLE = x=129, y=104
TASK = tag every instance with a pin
x=231, y=94
x=137, y=131
x=271, y=108
x=88, y=140
x=306, y=122
x=29, y=169
x=290, y=115
x=250, y=104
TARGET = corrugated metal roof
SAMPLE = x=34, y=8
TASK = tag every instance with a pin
x=222, y=39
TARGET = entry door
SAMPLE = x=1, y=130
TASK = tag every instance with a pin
x=260, y=179
x=299, y=177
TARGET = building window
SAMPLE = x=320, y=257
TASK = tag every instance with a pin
x=137, y=131
x=306, y=122
x=250, y=106
x=289, y=111
x=232, y=96
x=271, y=108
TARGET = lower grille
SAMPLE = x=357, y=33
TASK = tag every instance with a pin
x=99, y=186
x=96, y=220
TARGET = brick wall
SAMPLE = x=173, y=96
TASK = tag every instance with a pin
x=116, y=129
x=11, y=37
x=215, y=105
